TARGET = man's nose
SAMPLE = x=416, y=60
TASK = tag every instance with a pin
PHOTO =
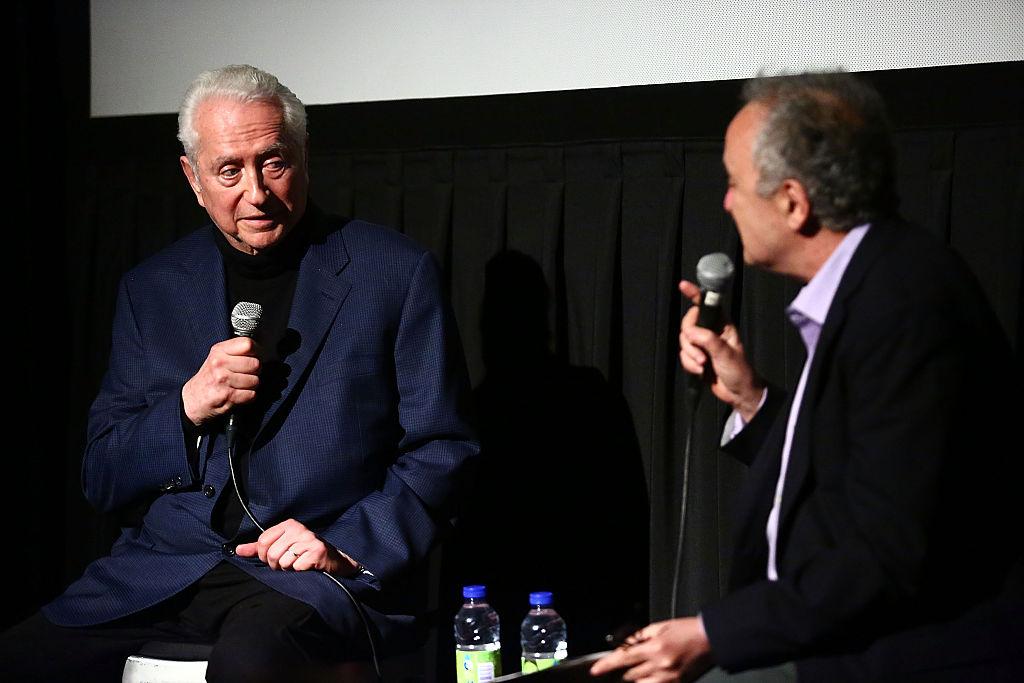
x=256, y=190
x=727, y=200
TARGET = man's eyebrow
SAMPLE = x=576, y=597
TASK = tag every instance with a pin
x=224, y=160
x=278, y=148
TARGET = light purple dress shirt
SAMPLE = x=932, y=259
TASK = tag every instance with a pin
x=807, y=312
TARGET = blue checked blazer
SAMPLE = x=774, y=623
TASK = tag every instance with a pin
x=364, y=446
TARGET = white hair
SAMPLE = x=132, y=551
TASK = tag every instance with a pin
x=246, y=84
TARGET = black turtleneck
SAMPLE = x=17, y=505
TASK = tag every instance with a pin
x=267, y=278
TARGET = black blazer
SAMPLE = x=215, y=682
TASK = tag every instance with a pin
x=896, y=510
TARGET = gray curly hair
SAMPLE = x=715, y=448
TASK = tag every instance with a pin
x=830, y=132
x=246, y=84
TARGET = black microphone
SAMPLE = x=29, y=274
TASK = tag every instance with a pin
x=245, y=318
x=714, y=274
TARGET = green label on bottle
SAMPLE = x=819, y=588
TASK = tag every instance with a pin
x=477, y=666
x=532, y=665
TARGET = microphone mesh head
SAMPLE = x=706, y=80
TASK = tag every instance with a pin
x=245, y=318
x=714, y=271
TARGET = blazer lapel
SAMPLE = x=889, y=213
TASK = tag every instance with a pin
x=799, y=454
x=204, y=298
x=319, y=293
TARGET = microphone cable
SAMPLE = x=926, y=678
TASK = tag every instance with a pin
x=355, y=603
x=714, y=273
x=245, y=318
x=694, y=397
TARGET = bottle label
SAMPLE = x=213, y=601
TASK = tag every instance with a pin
x=477, y=666
x=533, y=665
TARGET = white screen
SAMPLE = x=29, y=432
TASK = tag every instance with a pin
x=145, y=52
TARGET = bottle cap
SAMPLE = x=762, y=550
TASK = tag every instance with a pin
x=474, y=591
x=540, y=598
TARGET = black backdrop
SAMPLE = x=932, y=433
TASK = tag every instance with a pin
x=563, y=221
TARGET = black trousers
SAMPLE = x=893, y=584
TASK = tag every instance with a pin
x=257, y=635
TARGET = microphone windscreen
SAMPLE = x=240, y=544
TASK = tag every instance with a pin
x=714, y=271
x=245, y=318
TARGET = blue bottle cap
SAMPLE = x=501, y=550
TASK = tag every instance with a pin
x=474, y=591
x=540, y=598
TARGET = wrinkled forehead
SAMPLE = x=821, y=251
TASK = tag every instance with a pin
x=220, y=119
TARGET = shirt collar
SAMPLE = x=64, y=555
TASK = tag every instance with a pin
x=815, y=298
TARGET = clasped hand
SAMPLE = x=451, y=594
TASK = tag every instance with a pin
x=291, y=545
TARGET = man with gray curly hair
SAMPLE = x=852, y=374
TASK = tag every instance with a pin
x=294, y=475
x=872, y=542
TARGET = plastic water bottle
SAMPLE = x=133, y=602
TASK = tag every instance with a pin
x=477, y=638
x=542, y=635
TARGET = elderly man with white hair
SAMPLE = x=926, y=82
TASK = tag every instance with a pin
x=293, y=476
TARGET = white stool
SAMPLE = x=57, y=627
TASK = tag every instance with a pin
x=159, y=662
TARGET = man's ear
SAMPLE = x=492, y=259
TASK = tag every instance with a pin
x=193, y=181
x=794, y=203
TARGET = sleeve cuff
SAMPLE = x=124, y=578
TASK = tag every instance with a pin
x=192, y=434
x=735, y=423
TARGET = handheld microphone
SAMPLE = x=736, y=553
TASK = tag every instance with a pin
x=245, y=318
x=714, y=274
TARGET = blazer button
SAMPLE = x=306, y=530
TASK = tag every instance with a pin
x=227, y=550
x=209, y=491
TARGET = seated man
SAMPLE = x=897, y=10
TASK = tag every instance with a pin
x=875, y=540
x=348, y=400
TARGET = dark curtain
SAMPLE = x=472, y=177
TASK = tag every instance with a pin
x=563, y=222
x=610, y=227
